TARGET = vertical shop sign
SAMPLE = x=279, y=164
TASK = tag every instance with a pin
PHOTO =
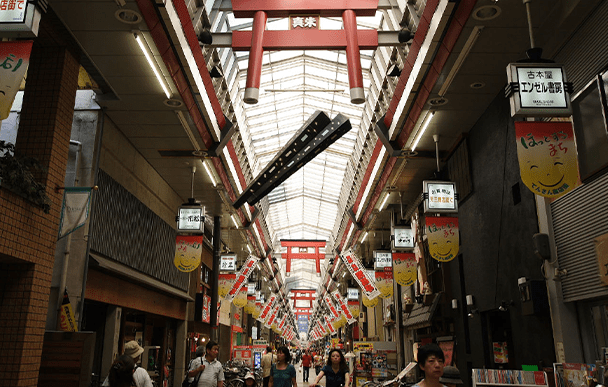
x=67, y=321
x=267, y=308
x=547, y=157
x=242, y=277
x=329, y=325
x=342, y=304
x=188, y=250
x=331, y=306
x=442, y=233
x=384, y=282
x=404, y=268
x=357, y=271
x=272, y=316
x=15, y=57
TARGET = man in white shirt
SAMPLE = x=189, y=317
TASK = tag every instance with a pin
x=209, y=368
x=140, y=375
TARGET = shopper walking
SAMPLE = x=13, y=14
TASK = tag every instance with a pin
x=335, y=371
x=318, y=362
x=283, y=374
x=267, y=361
x=121, y=372
x=209, y=368
x=306, y=363
x=140, y=375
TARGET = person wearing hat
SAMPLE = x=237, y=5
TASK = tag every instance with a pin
x=208, y=367
x=140, y=375
x=249, y=380
x=451, y=377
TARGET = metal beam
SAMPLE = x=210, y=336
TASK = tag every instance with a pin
x=275, y=40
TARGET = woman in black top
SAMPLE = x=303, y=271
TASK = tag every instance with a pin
x=335, y=371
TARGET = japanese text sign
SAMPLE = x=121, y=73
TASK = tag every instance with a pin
x=272, y=316
x=331, y=306
x=540, y=90
x=403, y=238
x=443, y=237
x=228, y=262
x=304, y=21
x=12, y=11
x=342, y=304
x=357, y=271
x=440, y=196
x=330, y=326
x=191, y=219
x=242, y=276
x=352, y=294
x=404, y=268
x=384, y=282
x=15, y=57
x=382, y=259
x=547, y=157
x=188, y=250
x=267, y=307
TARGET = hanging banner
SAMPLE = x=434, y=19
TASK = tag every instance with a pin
x=67, y=321
x=404, y=268
x=224, y=283
x=331, y=306
x=282, y=323
x=188, y=250
x=257, y=310
x=74, y=210
x=353, y=306
x=267, y=308
x=240, y=299
x=321, y=328
x=369, y=302
x=547, y=157
x=442, y=233
x=357, y=271
x=384, y=282
x=250, y=307
x=342, y=305
x=242, y=277
x=272, y=316
x=206, y=316
x=15, y=57
x=330, y=327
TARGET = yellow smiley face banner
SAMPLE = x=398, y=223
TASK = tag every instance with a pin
x=188, y=250
x=370, y=303
x=241, y=297
x=224, y=283
x=547, y=157
x=442, y=233
x=384, y=282
x=353, y=306
x=404, y=268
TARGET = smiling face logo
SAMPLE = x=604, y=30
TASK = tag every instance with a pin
x=188, y=251
x=547, y=157
x=443, y=238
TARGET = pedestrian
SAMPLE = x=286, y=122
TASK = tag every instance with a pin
x=283, y=374
x=140, y=375
x=318, y=362
x=249, y=380
x=431, y=361
x=209, y=368
x=335, y=371
x=267, y=362
x=451, y=377
x=306, y=363
x=121, y=372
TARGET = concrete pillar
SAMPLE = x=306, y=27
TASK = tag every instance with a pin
x=181, y=337
x=110, y=338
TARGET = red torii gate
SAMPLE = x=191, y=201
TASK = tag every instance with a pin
x=303, y=295
x=302, y=246
x=258, y=40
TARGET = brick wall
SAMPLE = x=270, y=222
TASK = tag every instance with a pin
x=28, y=235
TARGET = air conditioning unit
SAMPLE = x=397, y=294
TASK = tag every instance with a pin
x=362, y=317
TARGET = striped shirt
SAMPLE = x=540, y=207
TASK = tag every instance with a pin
x=212, y=374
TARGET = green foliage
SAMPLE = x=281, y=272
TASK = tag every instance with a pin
x=16, y=174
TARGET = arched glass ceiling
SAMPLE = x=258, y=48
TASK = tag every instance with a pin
x=305, y=206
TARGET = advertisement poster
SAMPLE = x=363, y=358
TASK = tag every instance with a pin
x=448, y=351
x=443, y=238
x=15, y=57
x=404, y=268
x=547, y=157
x=501, y=353
x=188, y=250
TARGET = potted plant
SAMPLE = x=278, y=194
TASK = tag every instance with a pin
x=16, y=175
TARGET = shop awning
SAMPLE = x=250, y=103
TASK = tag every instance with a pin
x=421, y=315
x=132, y=274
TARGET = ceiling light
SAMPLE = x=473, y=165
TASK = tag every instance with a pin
x=127, y=16
x=468, y=45
x=477, y=85
x=235, y=223
x=439, y=101
x=363, y=239
x=487, y=12
x=249, y=248
x=386, y=196
x=172, y=102
x=425, y=124
x=146, y=50
x=208, y=170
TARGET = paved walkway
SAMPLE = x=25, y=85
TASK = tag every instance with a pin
x=311, y=377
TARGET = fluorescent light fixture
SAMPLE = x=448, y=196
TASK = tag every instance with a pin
x=209, y=173
x=425, y=124
x=386, y=196
x=370, y=182
x=350, y=231
x=235, y=223
x=364, y=237
x=146, y=50
x=460, y=59
x=249, y=248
